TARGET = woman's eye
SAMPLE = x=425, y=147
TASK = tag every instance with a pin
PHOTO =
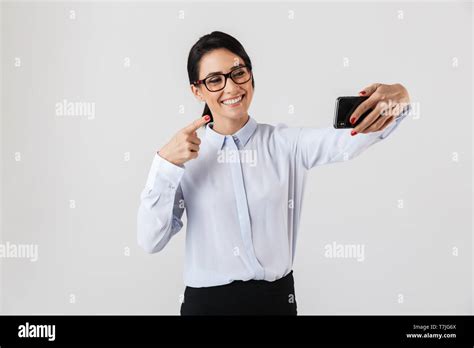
x=216, y=80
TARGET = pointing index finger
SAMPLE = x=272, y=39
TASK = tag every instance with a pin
x=196, y=124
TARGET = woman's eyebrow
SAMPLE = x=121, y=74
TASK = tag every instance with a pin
x=220, y=72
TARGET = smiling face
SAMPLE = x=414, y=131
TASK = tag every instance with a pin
x=223, y=61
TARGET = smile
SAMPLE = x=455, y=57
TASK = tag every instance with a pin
x=233, y=101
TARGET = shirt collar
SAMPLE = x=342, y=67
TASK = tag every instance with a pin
x=243, y=134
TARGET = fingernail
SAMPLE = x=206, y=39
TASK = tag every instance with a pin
x=353, y=133
x=362, y=92
x=352, y=120
x=207, y=117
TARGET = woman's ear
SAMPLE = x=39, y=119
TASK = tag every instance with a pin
x=197, y=93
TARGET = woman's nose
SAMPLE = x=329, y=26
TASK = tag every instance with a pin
x=231, y=86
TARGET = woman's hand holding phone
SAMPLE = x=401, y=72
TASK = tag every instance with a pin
x=184, y=145
x=386, y=102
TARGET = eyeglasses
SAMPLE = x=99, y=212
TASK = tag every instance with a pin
x=218, y=82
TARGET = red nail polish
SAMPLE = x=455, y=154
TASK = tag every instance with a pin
x=362, y=92
x=352, y=120
x=353, y=133
x=207, y=117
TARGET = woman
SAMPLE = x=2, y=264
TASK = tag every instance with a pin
x=243, y=184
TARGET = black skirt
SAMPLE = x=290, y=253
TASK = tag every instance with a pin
x=252, y=297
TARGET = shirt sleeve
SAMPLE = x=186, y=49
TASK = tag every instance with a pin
x=161, y=205
x=317, y=146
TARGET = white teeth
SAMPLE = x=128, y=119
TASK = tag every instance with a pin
x=232, y=101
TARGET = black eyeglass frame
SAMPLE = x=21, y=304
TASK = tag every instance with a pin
x=226, y=76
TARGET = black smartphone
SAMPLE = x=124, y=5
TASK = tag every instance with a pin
x=345, y=106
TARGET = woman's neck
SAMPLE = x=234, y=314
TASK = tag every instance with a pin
x=227, y=126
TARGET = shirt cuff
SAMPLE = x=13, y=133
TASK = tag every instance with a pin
x=166, y=170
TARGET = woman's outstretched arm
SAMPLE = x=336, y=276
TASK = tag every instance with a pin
x=317, y=146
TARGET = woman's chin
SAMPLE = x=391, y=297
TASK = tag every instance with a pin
x=235, y=112
x=236, y=115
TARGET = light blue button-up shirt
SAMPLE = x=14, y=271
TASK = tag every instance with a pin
x=242, y=196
